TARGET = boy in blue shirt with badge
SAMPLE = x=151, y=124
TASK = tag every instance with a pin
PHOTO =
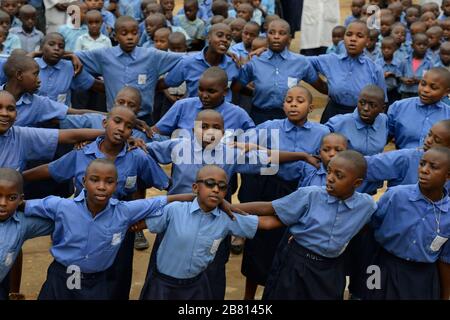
x=15, y=229
x=89, y=230
x=412, y=227
x=367, y=127
x=410, y=119
x=322, y=221
x=193, y=233
x=127, y=64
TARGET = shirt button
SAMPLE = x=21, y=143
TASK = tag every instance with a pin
x=414, y=242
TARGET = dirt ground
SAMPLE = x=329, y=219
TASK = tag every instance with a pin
x=36, y=252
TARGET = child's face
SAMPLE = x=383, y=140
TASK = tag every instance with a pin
x=152, y=8
x=369, y=107
x=118, y=125
x=418, y=28
x=236, y=4
x=8, y=113
x=412, y=15
x=220, y=40
x=330, y=147
x=388, y=50
x=429, y=19
x=278, y=36
x=386, y=23
x=373, y=38
x=445, y=25
x=438, y=136
x=129, y=100
x=29, y=79
x=399, y=34
x=258, y=43
x=28, y=20
x=211, y=187
x=53, y=49
x=127, y=34
x=94, y=23
x=83, y=10
x=168, y=5
x=10, y=199
x=178, y=46
x=161, y=41
x=432, y=88
x=245, y=13
x=208, y=129
x=100, y=182
x=249, y=33
x=337, y=35
x=342, y=179
x=446, y=7
x=151, y=25
x=5, y=23
x=94, y=4
x=21, y=3
x=296, y=106
x=190, y=11
x=434, y=39
x=10, y=7
x=433, y=170
x=444, y=54
x=236, y=30
x=211, y=92
x=355, y=39
x=357, y=7
x=420, y=47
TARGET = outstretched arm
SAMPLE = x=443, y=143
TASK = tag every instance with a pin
x=37, y=173
x=72, y=136
x=181, y=197
x=269, y=223
x=260, y=208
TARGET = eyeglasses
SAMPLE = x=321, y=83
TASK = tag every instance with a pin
x=211, y=183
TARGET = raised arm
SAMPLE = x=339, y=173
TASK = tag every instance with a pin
x=181, y=197
x=72, y=136
x=37, y=173
x=269, y=223
x=260, y=208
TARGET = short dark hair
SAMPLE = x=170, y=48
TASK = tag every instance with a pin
x=11, y=175
x=357, y=160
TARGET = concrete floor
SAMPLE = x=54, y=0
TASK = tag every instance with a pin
x=36, y=252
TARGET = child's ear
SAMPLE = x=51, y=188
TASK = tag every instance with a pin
x=84, y=182
x=22, y=197
x=195, y=188
x=310, y=108
x=19, y=75
x=104, y=121
x=358, y=182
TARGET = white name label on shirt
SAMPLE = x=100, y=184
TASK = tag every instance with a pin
x=215, y=246
x=9, y=259
x=437, y=243
x=292, y=82
x=142, y=79
x=61, y=98
x=130, y=182
x=116, y=239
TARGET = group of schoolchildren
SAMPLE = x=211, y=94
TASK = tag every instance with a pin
x=215, y=91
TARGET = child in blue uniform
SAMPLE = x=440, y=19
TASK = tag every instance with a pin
x=193, y=233
x=15, y=228
x=390, y=66
x=367, y=127
x=412, y=227
x=322, y=221
x=347, y=73
x=89, y=230
x=410, y=119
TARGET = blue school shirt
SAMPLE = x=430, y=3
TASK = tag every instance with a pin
x=362, y=137
x=239, y=50
x=306, y=174
x=269, y=5
x=191, y=68
x=349, y=20
x=274, y=74
x=404, y=51
x=183, y=113
x=28, y=41
x=347, y=76
x=332, y=49
x=406, y=71
x=140, y=69
x=132, y=167
x=375, y=54
x=87, y=242
x=434, y=55
x=406, y=222
x=130, y=8
x=71, y=35
x=14, y=232
x=58, y=80
x=192, y=236
x=322, y=223
x=20, y=145
x=12, y=42
x=187, y=157
x=108, y=21
x=410, y=120
x=394, y=67
x=3, y=58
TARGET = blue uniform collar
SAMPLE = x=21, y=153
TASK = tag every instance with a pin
x=288, y=125
x=322, y=170
x=344, y=56
x=201, y=57
x=25, y=98
x=349, y=202
x=117, y=51
x=195, y=207
x=416, y=195
x=94, y=148
x=438, y=104
x=43, y=65
x=361, y=125
x=283, y=54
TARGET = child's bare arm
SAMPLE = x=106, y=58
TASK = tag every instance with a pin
x=83, y=111
x=260, y=208
x=269, y=223
x=37, y=173
x=72, y=136
x=98, y=86
x=444, y=275
x=320, y=85
x=181, y=197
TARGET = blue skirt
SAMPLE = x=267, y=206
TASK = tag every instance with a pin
x=304, y=275
x=159, y=286
x=405, y=280
x=4, y=288
x=93, y=286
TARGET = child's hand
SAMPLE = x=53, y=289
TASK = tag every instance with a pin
x=144, y=127
x=80, y=145
x=245, y=147
x=408, y=81
x=313, y=160
x=134, y=143
x=34, y=54
x=388, y=74
x=257, y=52
x=235, y=58
x=138, y=226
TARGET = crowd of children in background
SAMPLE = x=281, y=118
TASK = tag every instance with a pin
x=131, y=83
